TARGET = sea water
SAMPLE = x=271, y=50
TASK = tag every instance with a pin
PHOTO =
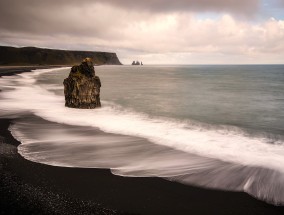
x=214, y=126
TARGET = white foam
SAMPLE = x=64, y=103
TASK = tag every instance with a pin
x=221, y=144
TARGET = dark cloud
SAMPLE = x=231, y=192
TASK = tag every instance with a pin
x=233, y=6
x=52, y=18
x=279, y=2
x=73, y=16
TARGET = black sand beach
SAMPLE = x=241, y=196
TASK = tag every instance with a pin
x=32, y=188
x=12, y=70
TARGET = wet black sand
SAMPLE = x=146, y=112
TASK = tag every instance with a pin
x=12, y=70
x=31, y=188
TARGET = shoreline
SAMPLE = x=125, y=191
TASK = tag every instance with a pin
x=13, y=70
x=30, y=188
x=33, y=188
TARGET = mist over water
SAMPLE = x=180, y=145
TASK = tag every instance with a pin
x=214, y=126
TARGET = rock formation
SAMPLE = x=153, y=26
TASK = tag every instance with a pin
x=82, y=87
x=28, y=56
x=137, y=63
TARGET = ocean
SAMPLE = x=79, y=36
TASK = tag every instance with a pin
x=214, y=126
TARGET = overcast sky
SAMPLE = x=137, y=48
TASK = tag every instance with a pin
x=152, y=31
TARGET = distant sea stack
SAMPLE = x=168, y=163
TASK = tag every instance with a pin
x=137, y=63
x=82, y=87
x=32, y=56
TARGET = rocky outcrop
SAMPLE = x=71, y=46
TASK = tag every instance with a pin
x=28, y=56
x=137, y=63
x=82, y=87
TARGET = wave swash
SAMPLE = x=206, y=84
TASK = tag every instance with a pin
x=136, y=144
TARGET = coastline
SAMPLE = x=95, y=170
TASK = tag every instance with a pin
x=13, y=70
x=32, y=188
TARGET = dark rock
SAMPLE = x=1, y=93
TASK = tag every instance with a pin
x=33, y=56
x=82, y=87
x=136, y=63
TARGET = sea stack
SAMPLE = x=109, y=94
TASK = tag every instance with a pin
x=82, y=87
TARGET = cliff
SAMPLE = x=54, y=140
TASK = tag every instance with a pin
x=82, y=87
x=27, y=56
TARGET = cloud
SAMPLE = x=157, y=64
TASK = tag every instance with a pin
x=279, y=3
x=238, y=6
x=172, y=36
x=51, y=16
